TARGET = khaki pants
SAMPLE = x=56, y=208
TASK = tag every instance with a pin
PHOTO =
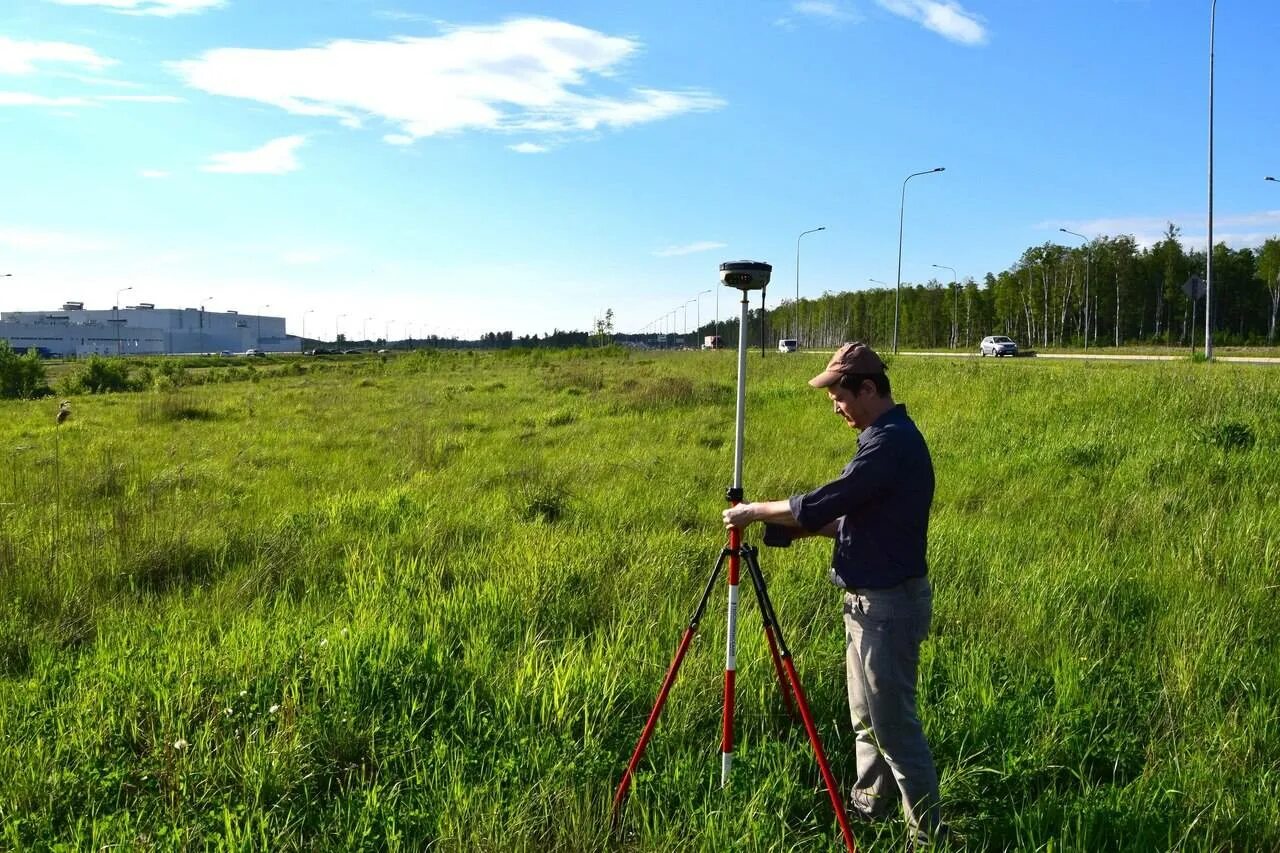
x=883, y=633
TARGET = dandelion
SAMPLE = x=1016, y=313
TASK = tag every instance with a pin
x=273, y=709
x=180, y=744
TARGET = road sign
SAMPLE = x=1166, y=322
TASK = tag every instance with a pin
x=1194, y=287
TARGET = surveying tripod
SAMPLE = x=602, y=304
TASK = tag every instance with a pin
x=745, y=276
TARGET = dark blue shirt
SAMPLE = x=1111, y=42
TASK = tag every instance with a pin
x=882, y=501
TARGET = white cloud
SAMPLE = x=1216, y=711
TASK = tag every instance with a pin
x=142, y=99
x=1237, y=230
x=530, y=75
x=21, y=57
x=153, y=173
x=826, y=9
x=33, y=240
x=689, y=249
x=397, y=139
x=161, y=8
x=529, y=148
x=944, y=17
x=26, y=99
x=274, y=158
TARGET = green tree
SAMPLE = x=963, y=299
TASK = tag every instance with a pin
x=21, y=376
x=1268, y=272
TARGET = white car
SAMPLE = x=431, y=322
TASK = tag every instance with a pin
x=788, y=345
x=997, y=345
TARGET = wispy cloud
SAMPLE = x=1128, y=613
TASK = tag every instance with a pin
x=21, y=57
x=26, y=99
x=29, y=99
x=35, y=240
x=530, y=75
x=1238, y=230
x=274, y=158
x=160, y=8
x=944, y=17
x=529, y=148
x=689, y=249
x=827, y=10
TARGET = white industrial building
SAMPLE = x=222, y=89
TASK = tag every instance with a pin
x=142, y=329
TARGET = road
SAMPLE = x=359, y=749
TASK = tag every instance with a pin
x=1239, y=359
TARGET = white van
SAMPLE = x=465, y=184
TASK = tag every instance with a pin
x=788, y=345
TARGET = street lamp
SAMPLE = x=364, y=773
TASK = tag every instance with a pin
x=364, y=328
x=1208, y=255
x=116, y=321
x=897, y=298
x=802, y=233
x=701, y=294
x=685, y=308
x=203, y=302
x=1087, y=262
x=258, y=344
x=955, y=303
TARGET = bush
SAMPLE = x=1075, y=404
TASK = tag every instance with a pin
x=98, y=375
x=21, y=376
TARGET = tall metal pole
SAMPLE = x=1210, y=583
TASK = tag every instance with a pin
x=897, y=298
x=259, y=341
x=701, y=293
x=116, y=322
x=1208, y=255
x=797, y=329
x=1088, y=262
x=955, y=303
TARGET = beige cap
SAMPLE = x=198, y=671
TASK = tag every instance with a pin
x=856, y=357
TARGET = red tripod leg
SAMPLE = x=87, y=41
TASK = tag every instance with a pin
x=624, y=785
x=771, y=624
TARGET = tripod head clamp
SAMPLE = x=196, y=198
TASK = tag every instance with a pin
x=745, y=275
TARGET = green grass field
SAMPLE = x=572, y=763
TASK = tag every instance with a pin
x=427, y=604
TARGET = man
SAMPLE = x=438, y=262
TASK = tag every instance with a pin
x=877, y=510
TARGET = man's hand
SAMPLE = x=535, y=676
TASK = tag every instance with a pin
x=739, y=516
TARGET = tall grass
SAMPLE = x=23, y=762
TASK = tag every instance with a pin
x=428, y=604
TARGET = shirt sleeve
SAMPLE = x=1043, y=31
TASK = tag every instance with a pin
x=868, y=476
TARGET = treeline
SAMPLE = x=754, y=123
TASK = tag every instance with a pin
x=1110, y=289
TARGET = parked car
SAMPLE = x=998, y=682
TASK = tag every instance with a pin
x=788, y=345
x=997, y=345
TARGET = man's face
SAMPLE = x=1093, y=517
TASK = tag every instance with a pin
x=852, y=406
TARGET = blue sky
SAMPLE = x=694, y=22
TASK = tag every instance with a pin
x=458, y=167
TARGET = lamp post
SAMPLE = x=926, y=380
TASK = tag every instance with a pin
x=897, y=298
x=802, y=233
x=364, y=329
x=701, y=294
x=335, y=328
x=260, y=310
x=1208, y=255
x=685, y=335
x=1088, y=261
x=116, y=321
x=203, y=345
x=955, y=303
